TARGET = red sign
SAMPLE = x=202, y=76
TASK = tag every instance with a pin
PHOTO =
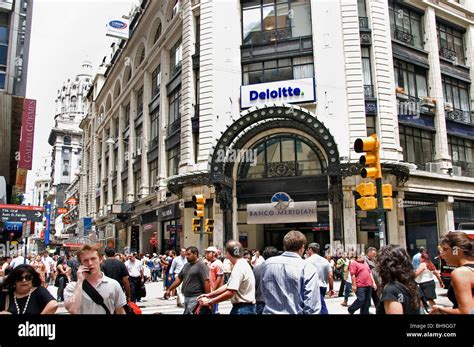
x=27, y=134
x=71, y=201
x=61, y=210
x=21, y=207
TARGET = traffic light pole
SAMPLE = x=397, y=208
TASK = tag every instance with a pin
x=201, y=235
x=380, y=212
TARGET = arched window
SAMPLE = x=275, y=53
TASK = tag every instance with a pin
x=157, y=33
x=73, y=105
x=281, y=155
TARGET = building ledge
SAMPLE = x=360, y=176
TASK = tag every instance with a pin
x=427, y=174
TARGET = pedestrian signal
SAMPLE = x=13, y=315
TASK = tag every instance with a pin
x=208, y=226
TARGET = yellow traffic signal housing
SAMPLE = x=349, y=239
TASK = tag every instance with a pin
x=386, y=190
x=199, y=200
x=371, y=159
x=208, y=226
x=196, y=225
x=366, y=189
x=387, y=203
x=367, y=203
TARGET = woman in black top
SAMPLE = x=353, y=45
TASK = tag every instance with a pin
x=23, y=294
x=400, y=293
x=458, y=250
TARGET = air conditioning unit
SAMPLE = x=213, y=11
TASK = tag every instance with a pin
x=433, y=167
x=448, y=106
x=457, y=171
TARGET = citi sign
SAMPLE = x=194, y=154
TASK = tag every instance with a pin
x=292, y=91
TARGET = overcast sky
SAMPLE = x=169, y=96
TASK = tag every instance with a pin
x=64, y=34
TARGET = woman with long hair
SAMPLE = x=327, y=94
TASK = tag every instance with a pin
x=425, y=275
x=458, y=250
x=399, y=290
x=62, y=277
x=23, y=293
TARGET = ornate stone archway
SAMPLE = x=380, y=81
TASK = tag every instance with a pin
x=262, y=118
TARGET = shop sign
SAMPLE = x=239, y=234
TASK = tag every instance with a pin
x=290, y=91
x=282, y=209
x=168, y=213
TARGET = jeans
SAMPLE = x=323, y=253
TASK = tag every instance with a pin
x=155, y=275
x=347, y=290
x=190, y=302
x=363, y=300
x=243, y=309
x=324, y=309
x=62, y=285
x=260, y=307
x=341, y=289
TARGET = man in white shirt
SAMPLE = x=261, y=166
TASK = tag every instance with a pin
x=135, y=276
x=49, y=264
x=19, y=260
x=324, y=271
x=176, y=267
x=240, y=288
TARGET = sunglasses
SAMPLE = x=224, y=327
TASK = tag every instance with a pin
x=25, y=278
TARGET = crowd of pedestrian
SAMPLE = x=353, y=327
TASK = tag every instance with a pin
x=298, y=280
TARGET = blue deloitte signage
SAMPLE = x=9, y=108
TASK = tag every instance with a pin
x=291, y=91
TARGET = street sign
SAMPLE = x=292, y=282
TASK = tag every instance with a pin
x=20, y=213
x=61, y=210
x=14, y=227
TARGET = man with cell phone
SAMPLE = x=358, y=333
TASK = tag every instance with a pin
x=93, y=293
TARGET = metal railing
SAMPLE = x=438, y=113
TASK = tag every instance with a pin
x=404, y=36
x=174, y=127
x=369, y=91
x=448, y=53
x=461, y=116
x=363, y=23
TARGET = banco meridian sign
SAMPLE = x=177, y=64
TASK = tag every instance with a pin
x=290, y=91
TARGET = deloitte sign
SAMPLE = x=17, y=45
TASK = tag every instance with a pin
x=291, y=91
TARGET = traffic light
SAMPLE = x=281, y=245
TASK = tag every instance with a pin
x=208, y=226
x=199, y=200
x=387, y=196
x=196, y=225
x=371, y=160
x=367, y=201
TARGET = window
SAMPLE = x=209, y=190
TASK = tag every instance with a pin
x=367, y=72
x=176, y=55
x=124, y=190
x=173, y=160
x=154, y=124
x=139, y=101
x=157, y=33
x=175, y=9
x=278, y=70
x=67, y=141
x=405, y=25
x=418, y=145
x=282, y=156
x=138, y=139
x=370, y=125
x=462, y=154
x=153, y=173
x=155, y=81
x=451, y=44
x=411, y=78
x=174, y=108
x=4, y=24
x=456, y=92
x=138, y=182
x=66, y=167
x=73, y=105
x=127, y=116
x=275, y=20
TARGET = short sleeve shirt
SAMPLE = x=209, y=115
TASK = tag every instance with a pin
x=362, y=273
x=194, y=276
x=108, y=288
x=242, y=280
x=396, y=292
x=134, y=268
x=216, y=269
x=115, y=269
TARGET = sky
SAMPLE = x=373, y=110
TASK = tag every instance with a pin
x=64, y=34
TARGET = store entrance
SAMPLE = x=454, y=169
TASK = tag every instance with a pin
x=274, y=234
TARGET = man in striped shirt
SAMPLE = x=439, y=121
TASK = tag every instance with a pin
x=290, y=285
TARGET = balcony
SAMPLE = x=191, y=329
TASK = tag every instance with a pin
x=363, y=23
x=369, y=91
x=404, y=36
x=174, y=127
x=195, y=120
x=466, y=117
x=448, y=53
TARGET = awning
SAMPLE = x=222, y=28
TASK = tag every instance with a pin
x=79, y=241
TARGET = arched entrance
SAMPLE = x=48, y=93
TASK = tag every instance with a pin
x=294, y=153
